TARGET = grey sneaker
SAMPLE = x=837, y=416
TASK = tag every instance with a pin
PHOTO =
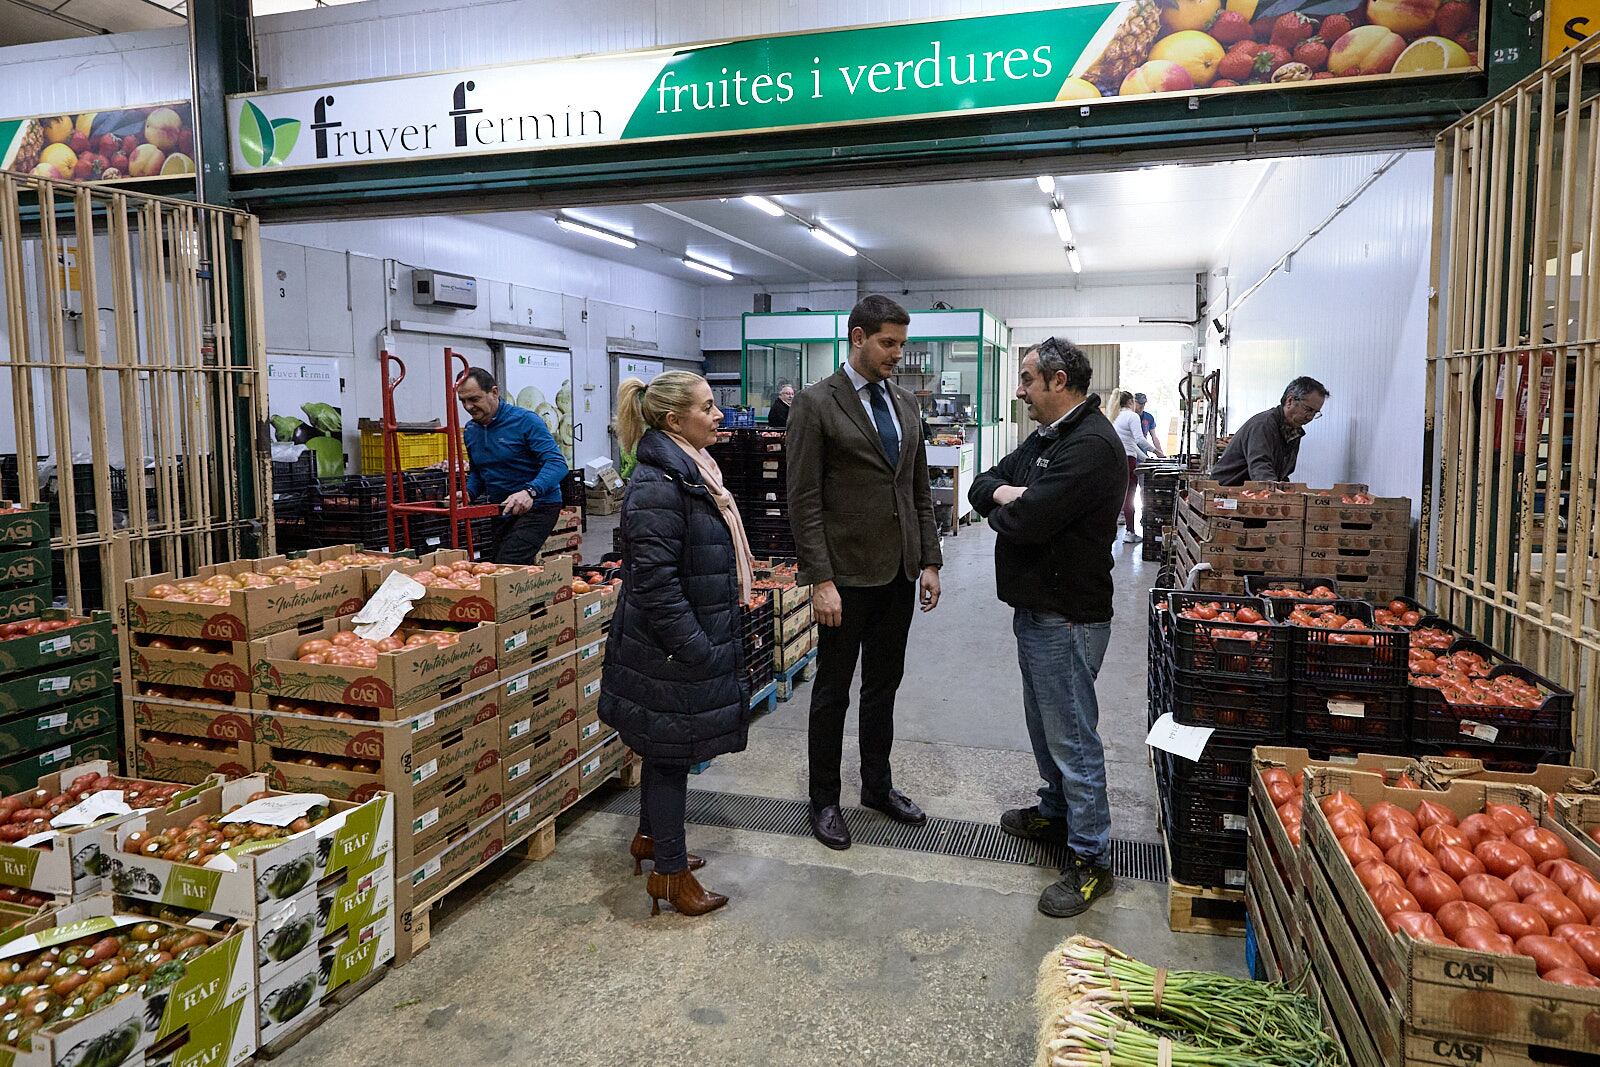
x=1081, y=884
x=1028, y=823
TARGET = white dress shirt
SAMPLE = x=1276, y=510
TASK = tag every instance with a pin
x=866, y=400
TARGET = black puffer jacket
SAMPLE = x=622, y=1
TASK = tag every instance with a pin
x=672, y=684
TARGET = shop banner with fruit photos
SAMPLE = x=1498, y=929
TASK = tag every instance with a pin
x=121, y=144
x=1071, y=55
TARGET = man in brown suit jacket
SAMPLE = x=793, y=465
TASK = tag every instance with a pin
x=865, y=533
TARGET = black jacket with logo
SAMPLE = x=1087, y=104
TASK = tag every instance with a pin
x=1054, y=551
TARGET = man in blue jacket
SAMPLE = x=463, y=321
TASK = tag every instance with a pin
x=516, y=463
x=1054, y=503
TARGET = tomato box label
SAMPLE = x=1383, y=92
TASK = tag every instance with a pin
x=23, y=526
x=23, y=773
x=26, y=566
x=24, y=603
x=50, y=728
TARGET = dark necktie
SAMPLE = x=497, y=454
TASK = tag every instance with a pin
x=886, y=430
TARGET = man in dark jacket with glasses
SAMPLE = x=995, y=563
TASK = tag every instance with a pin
x=1267, y=447
x=1054, y=502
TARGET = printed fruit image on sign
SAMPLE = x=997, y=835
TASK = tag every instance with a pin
x=102, y=146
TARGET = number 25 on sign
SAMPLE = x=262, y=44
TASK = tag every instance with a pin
x=1566, y=22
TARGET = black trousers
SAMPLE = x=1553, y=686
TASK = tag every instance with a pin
x=518, y=538
x=663, y=794
x=876, y=621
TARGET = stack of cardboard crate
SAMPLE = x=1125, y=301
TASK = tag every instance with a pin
x=566, y=537
x=1361, y=541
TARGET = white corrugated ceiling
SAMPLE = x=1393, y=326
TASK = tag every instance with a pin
x=1153, y=220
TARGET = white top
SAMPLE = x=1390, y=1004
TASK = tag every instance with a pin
x=1134, y=442
x=861, y=383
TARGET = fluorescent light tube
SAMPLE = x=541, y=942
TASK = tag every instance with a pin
x=1072, y=259
x=831, y=241
x=1047, y=184
x=706, y=268
x=1058, y=215
x=765, y=205
x=597, y=233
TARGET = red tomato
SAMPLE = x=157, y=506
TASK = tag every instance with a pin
x=1586, y=895
x=1417, y=924
x=1518, y=920
x=1281, y=791
x=1433, y=888
x=1430, y=813
x=1404, y=782
x=1555, y=909
x=1571, y=976
x=1389, y=898
x=1526, y=882
x=1376, y=873
x=1388, y=833
x=1458, y=863
x=1508, y=817
x=1502, y=858
x=1439, y=835
x=1485, y=939
x=1456, y=915
x=1480, y=828
x=1346, y=823
x=1385, y=810
x=1341, y=799
x=1408, y=856
x=1539, y=843
x=1248, y=615
x=1549, y=953
x=1585, y=941
x=1566, y=873
x=1359, y=849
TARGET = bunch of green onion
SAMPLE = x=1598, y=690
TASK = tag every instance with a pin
x=1124, y=1013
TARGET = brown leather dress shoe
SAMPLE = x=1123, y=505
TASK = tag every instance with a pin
x=683, y=892
x=644, y=848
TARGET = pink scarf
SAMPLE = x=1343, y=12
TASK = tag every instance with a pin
x=711, y=474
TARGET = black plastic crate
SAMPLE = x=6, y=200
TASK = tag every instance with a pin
x=1324, y=655
x=1496, y=757
x=1224, y=763
x=1206, y=645
x=1217, y=860
x=424, y=485
x=1331, y=715
x=294, y=504
x=1547, y=727
x=356, y=495
x=299, y=473
x=1242, y=705
x=1259, y=585
x=1201, y=808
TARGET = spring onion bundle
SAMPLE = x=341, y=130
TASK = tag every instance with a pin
x=1110, y=1010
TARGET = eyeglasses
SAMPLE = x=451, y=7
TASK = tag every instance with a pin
x=1058, y=348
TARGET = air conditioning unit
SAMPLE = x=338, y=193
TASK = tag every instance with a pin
x=431, y=288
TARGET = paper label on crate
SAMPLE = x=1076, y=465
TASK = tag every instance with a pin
x=1234, y=878
x=589, y=731
x=518, y=770
x=1480, y=730
x=94, y=808
x=518, y=728
x=53, y=722
x=382, y=615
x=278, y=811
x=515, y=641
x=1235, y=822
x=516, y=815
x=424, y=772
x=1227, y=503
x=591, y=650
x=1171, y=736
x=422, y=822
x=424, y=721
x=58, y=755
x=51, y=645
x=518, y=685
x=54, y=685
x=1350, y=709
x=590, y=767
x=592, y=688
x=36, y=839
x=427, y=870
x=591, y=610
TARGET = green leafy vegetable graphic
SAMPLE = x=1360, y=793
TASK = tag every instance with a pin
x=330, y=456
x=284, y=426
x=324, y=417
x=284, y=132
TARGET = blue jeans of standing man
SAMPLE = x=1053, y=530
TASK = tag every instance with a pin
x=1060, y=660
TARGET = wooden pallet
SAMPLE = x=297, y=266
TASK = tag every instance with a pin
x=1193, y=909
x=803, y=670
x=334, y=1004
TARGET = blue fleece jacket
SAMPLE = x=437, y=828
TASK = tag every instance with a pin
x=514, y=452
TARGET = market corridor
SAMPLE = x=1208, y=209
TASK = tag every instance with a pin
x=873, y=956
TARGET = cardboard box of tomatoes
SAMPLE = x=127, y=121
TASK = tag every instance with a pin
x=491, y=592
x=177, y=758
x=546, y=633
x=534, y=702
x=545, y=756
x=1483, y=945
x=54, y=637
x=244, y=600
x=21, y=525
x=543, y=802
x=435, y=667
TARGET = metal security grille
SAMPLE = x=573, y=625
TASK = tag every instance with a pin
x=1139, y=860
x=1510, y=537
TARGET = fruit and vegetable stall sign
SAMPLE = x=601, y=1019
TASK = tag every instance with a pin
x=1073, y=55
x=151, y=141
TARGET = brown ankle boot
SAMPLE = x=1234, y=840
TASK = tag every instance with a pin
x=644, y=848
x=682, y=892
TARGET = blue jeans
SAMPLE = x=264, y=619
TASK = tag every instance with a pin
x=1060, y=659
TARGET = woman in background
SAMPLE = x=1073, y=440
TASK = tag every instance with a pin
x=1135, y=444
x=673, y=683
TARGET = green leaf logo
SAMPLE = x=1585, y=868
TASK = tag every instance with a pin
x=256, y=138
x=284, y=132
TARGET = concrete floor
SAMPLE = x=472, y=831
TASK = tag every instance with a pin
x=870, y=956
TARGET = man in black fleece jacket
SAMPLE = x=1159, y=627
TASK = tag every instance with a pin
x=1054, y=502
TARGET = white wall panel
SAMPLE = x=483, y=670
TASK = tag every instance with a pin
x=94, y=72
x=1352, y=312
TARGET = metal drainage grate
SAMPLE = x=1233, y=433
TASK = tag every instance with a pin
x=1140, y=860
